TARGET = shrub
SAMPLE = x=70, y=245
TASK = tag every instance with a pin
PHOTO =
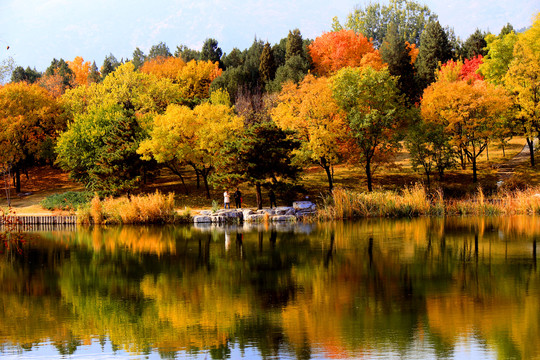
x=70, y=200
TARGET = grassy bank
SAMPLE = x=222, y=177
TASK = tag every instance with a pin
x=416, y=201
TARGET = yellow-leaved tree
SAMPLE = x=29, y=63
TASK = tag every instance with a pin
x=185, y=137
x=523, y=82
x=194, y=78
x=310, y=110
x=30, y=119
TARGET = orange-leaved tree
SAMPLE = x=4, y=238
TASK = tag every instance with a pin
x=81, y=70
x=471, y=111
x=164, y=67
x=335, y=50
x=310, y=109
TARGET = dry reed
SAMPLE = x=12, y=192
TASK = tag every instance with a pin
x=140, y=209
x=415, y=201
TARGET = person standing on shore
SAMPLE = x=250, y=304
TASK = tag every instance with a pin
x=272, y=197
x=226, y=200
x=238, y=198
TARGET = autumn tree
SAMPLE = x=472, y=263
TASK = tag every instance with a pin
x=114, y=115
x=30, y=119
x=309, y=109
x=335, y=50
x=57, y=78
x=184, y=137
x=195, y=79
x=500, y=52
x=80, y=69
x=522, y=81
x=375, y=111
x=61, y=68
x=260, y=155
x=373, y=20
x=133, y=90
x=469, y=111
x=164, y=67
x=54, y=84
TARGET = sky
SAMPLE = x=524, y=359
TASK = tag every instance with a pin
x=37, y=31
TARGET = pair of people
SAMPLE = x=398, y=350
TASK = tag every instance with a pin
x=237, y=199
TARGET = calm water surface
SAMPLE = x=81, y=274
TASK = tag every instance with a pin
x=453, y=288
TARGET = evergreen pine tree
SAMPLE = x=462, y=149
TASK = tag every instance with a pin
x=94, y=76
x=434, y=49
x=210, y=51
x=267, y=65
x=109, y=65
x=294, y=44
x=138, y=58
x=395, y=53
x=475, y=45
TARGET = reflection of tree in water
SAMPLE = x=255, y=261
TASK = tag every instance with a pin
x=345, y=289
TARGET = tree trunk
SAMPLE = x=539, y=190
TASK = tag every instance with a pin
x=259, y=196
x=368, y=175
x=205, y=180
x=462, y=159
x=530, y=142
x=474, y=176
x=329, y=175
x=177, y=172
x=17, y=180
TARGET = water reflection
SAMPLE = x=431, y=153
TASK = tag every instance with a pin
x=437, y=288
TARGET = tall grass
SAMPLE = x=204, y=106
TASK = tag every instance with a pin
x=415, y=201
x=140, y=209
x=346, y=204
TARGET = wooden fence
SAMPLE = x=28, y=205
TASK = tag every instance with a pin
x=36, y=222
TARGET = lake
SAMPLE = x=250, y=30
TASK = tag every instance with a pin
x=444, y=288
